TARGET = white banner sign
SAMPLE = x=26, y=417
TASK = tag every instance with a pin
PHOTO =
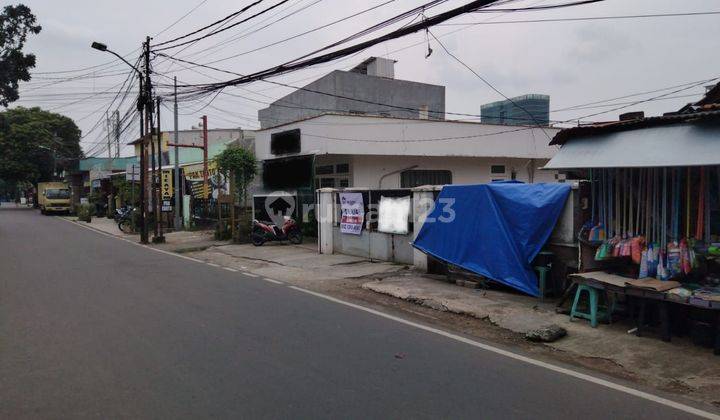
x=352, y=213
x=394, y=214
x=98, y=174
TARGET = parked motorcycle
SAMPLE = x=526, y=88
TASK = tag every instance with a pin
x=123, y=217
x=266, y=231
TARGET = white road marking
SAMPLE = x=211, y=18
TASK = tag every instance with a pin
x=273, y=281
x=525, y=359
x=162, y=251
x=230, y=269
x=212, y=264
x=565, y=371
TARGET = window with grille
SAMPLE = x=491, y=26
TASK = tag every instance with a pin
x=324, y=170
x=327, y=182
x=418, y=177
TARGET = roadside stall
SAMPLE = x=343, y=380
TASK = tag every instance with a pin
x=653, y=238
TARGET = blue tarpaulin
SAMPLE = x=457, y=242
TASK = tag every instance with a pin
x=497, y=229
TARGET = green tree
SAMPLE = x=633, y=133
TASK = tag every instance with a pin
x=127, y=191
x=239, y=165
x=16, y=23
x=32, y=141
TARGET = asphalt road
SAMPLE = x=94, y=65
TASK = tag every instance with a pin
x=92, y=326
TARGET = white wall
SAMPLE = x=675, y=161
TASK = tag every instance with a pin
x=367, y=170
x=365, y=135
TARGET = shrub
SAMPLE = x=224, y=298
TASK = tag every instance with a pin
x=85, y=212
x=222, y=231
x=243, y=226
x=149, y=217
x=309, y=228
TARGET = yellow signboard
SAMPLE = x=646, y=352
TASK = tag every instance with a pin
x=166, y=184
x=217, y=183
x=165, y=140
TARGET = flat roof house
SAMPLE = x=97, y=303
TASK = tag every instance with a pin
x=355, y=151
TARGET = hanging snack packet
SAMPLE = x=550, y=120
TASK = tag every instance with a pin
x=685, y=264
x=673, y=259
x=652, y=260
x=661, y=271
x=643, y=264
x=636, y=247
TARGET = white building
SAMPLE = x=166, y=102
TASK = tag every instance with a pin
x=338, y=151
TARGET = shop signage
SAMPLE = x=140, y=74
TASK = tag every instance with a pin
x=132, y=172
x=217, y=183
x=97, y=174
x=352, y=213
x=166, y=184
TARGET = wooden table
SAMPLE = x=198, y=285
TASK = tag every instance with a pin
x=639, y=298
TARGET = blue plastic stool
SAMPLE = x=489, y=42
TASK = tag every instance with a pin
x=593, y=299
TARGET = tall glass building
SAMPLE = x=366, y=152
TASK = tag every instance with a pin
x=530, y=109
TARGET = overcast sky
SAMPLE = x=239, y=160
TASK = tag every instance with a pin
x=575, y=62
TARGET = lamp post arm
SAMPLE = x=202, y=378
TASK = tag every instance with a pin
x=126, y=62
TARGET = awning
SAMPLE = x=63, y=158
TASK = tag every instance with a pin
x=671, y=145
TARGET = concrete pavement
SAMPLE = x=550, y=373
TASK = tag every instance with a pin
x=95, y=327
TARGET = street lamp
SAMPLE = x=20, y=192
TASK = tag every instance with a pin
x=99, y=46
x=102, y=47
x=143, y=225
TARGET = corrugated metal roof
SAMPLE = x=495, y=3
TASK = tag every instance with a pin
x=683, y=144
x=708, y=108
x=583, y=131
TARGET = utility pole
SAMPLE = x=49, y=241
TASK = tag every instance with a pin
x=132, y=186
x=109, y=140
x=159, y=237
x=206, y=190
x=111, y=196
x=143, y=163
x=54, y=150
x=148, y=118
x=117, y=133
x=153, y=183
x=57, y=141
x=178, y=219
